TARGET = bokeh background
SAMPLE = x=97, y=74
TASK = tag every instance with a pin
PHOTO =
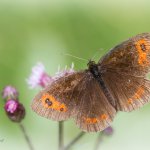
x=34, y=31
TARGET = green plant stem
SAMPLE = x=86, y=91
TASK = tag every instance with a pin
x=61, y=135
x=74, y=141
x=26, y=137
x=99, y=138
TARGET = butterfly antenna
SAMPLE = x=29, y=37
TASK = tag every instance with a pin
x=75, y=57
x=96, y=53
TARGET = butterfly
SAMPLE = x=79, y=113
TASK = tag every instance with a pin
x=118, y=82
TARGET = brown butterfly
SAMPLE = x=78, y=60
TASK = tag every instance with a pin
x=93, y=96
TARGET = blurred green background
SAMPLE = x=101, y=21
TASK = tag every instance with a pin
x=34, y=31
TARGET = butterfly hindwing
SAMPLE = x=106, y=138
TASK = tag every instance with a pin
x=130, y=92
x=95, y=113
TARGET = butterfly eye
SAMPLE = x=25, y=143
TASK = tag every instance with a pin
x=49, y=103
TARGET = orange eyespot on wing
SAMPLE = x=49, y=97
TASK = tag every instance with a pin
x=143, y=47
x=138, y=94
x=49, y=101
x=130, y=101
x=104, y=117
x=91, y=120
x=95, y=120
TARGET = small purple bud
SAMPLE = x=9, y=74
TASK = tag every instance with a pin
x=14, y=110
x=9, y=92
x=108, y=131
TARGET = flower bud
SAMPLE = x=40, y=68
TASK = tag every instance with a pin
x=9, y=92
x=108, y=131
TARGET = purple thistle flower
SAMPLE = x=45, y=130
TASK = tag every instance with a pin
x=10, y=92
x=108, y=131
x=39, y=77
x=14, y=110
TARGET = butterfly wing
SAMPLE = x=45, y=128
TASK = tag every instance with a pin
x=58, y=100
x=129, y=92
x=124, y=71
x=130, y=57
x=94, y=113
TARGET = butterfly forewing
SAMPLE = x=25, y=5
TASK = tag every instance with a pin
x=58, y=101
x=131, y=56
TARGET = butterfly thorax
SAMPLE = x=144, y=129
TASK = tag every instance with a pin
x=93, y=68
x=96, y=72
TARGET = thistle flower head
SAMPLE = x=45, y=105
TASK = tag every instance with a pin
x=9, y=92
x=38, y=77
x=14, y=110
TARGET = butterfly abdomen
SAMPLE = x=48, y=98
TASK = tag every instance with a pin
x=93, y=68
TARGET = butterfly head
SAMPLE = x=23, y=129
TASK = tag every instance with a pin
x=91, y=64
